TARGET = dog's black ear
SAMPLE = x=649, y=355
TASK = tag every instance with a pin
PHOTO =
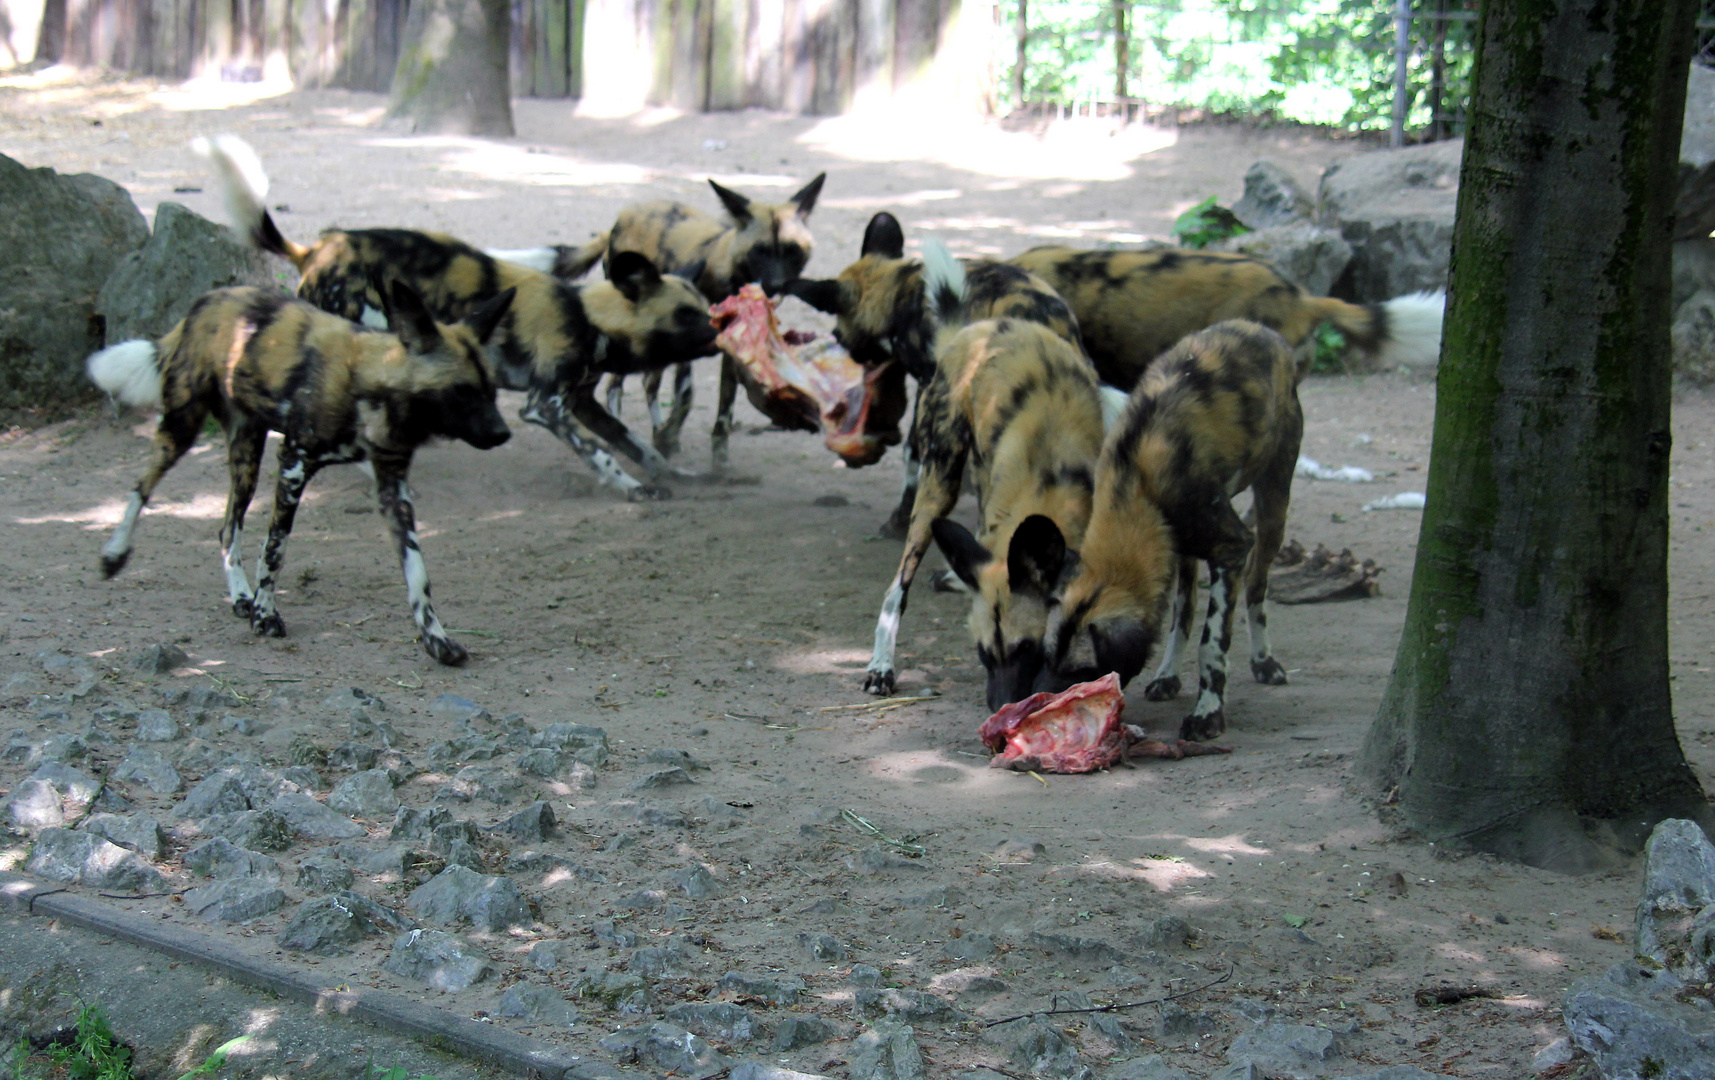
x=805, y=200
x=966, y=556
x=484, y=319
x=1036, y=557
x=409, y=318
x=633, y=275
x=884, y=236
x=823, y=294
x=736, y=205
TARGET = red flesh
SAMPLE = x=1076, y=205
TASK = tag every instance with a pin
x=1071, y=732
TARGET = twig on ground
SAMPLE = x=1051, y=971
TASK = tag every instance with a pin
x=883, y=703
x=1114, y=1008
x=911, y=851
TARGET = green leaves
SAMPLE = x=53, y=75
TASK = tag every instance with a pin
x=1206, y=223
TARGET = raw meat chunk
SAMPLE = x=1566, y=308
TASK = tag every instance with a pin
x=1075, y=731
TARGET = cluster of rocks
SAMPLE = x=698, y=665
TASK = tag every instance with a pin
x=80, y=269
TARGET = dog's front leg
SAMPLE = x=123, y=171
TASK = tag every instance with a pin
x=613, y=432
x=296, y=469
x=395, y=498
x=666, y=434
x=550, y=411
x=935, y=499
x=1165, y=684
x=244, y=441
x=722, y=431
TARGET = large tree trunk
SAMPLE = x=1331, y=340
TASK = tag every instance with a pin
x=1529, y=712
x=452, y=76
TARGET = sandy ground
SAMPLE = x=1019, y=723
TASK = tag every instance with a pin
x=733, y=622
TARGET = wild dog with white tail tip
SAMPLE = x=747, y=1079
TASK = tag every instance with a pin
x=260, y=361
x=1216, y=415
x=1018, y=405
x=554, y=343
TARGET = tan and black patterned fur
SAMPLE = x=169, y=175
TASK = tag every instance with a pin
x=1017, y=405
x=1216, y=415
x=1132, y=306
x=259, y=361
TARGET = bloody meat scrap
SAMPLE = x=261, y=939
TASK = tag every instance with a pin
x=799, y=382
x=1077, y=730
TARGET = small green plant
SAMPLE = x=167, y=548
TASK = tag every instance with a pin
x=1207, y=223
x=1328, y=350
x=397, y=1072
x=90, y=1054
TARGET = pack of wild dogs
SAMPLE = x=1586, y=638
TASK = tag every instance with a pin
x=1106, y=405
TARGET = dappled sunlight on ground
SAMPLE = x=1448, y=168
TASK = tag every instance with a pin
x=520, y=165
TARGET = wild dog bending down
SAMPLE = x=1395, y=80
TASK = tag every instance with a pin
x=765, y=243
x=555, y=342
x=260, y=361
x=1017, y=404
x=1132, y=306
x=1217, y=414
x=885, y=316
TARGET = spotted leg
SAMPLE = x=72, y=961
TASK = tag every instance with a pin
x=1165, y=684
x=667, y=434
x=1271, y=496
x=174, y=436
x=651, y=399
x=295, y=472
x=899, y=523
x=395, y=498
x=936, y=496
x=722, y=431
x=549, y=411
x=602, y=423
x=244, y=442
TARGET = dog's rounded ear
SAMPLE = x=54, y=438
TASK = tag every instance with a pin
x=484, y=319
x=805, y=199
x=884, y=236
x=965, y=554
x=1037, y=556
x=410, y=319
x=822, y=294
x=633, y=274
x=737, y=205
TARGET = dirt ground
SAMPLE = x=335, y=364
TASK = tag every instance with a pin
x=733, y=622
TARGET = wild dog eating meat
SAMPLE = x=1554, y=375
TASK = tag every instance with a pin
x=259, y=361
x=1218, y=414
x=554, y=343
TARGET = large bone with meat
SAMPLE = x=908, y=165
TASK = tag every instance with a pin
x=1075, y=731
x=800, y=382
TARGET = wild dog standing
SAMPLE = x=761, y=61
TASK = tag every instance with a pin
x=765, y=243
x=260, y=361
x=1132, y=306
x=555, y=341
x=1017, y=404
x=885, y=315
x=1217, y=414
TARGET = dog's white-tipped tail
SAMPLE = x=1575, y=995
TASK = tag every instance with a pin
x=943, y=280
x=540, y=259
x=129, y=372
x=243, y=181
x=1413, y=337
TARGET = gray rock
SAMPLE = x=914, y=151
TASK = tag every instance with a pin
x=667, y=1047
x=775, y=991
x=696, y=881
x=491, y=783
x=1253, y=1010
x=458, y=894
x=156, y=725
x=453, y=707
x=1305, y=253
x=368, y=794
x=532, y=824
x=1294, y=1050
x=442, y=960
x=311, y=819
x=1272, y=197
x=969, y=947
x=1085, y=949
x=258, y=830
x=761, y=1070
x=1694, y=338
x=609, y=933
x=353, y=755
x=1697, y=139
x=449, y=834
x=1693, y=268
x=149, y=767
x=1395, y=207
x=352, y=697
x=157, y=659
x=1397, y=1072
x=410, y=823
x=1020, y=849
x=824, y=947
x=63, y=747
x=672, y=756
x=34, y=805
x=80, y=858
x=797, y=1032
x=537, y=1003
x=1167, y=932
x=586, y=744
x=662, y=778
x=465, y=748
x=1629, y=1020
x=77, y=790
x=1244, y=1071
x=152, y=288
x=656, y=961
x=218, y=793
x=715, y=1020
x=1679, y=882
x=864, y=975
x=905, y=1006
x=197, y=756
x=1148, y=1067
x=239, y=725
x=135, y=832
x=544, y=955
x=329, y=925
x=882, y=860
x=239, y=900
x=323, y=874
x=543, y=763
x=221, y=858
x=887, y=1052
x=612, y=989
x=1041, y=1049
x=1176, y=1021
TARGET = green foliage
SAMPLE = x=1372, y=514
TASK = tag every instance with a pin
x=1206, y=223
x=91, y=1054
x=1328, y=350
x=397, y=1072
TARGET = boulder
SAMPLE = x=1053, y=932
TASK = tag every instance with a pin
x=1637, y=1022
x=258, y=830
x=220, y=858
x=368, y=794
x=444, y=961
x=1694, y=338
x=1286, y=1050
x=147, y=766
x=328, y=925
x=311, y=819
x=136, y=832
x=60, y=239
x=81, y=858
x=459, y=894
x=537, y=1003
x=1306, y=254
x=1697, y=138
x=671, y=1049
x=1678, y=894
x=33, y=805
x=887, y=1052
x=187, y=255
x=1272, y=197
x=235, y=900
x=1395, y=207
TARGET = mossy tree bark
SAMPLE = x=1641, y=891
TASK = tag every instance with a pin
x=1529, y=713
x=453, y=75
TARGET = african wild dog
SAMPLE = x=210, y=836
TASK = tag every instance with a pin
x=765, y=243
x=260, y=361
x=1215, y=415
x=885, y=315
x=555, y=342
x=1132, y=306
x=1017, y=404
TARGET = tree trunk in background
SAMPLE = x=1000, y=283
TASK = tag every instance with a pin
x=1529, y=713
x=1122, y=52
x=1020, y=29
x=452, y=76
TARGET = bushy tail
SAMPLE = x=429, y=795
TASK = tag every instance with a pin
x=561, y=260
x=944, y=287
x=244, y=190
x=1403, y=332
x=129, y=371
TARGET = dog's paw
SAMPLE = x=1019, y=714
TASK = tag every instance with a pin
x=269, y=625
x=242, y=607
x=112, y=564
x=1269, y=671
x=445, y=650
x=1163, y=689
x=880, y=683
x=649, y=493
x=1203, y=728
